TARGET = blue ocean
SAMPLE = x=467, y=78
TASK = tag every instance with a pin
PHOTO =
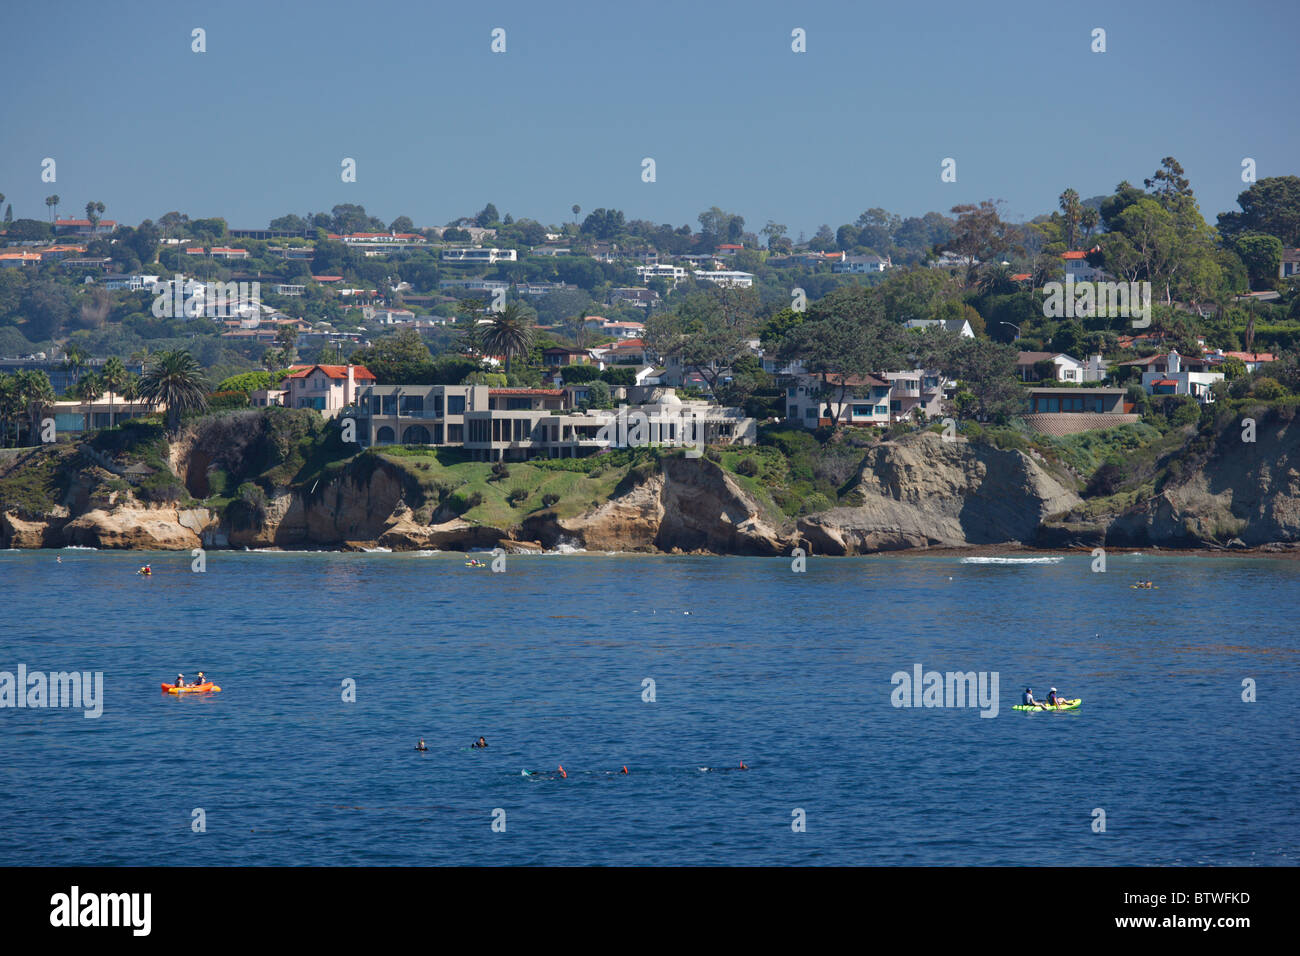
x=333, y=665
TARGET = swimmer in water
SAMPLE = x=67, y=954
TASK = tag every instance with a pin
x=562, y=773
x=624, y=770
x=420, y=746
x=742, y=766
x=480, y=744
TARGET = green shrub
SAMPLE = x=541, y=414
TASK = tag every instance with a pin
x=1267, y=389
x=517, y=496
x=550, y=499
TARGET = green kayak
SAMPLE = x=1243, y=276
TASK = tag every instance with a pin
x=1064, y=705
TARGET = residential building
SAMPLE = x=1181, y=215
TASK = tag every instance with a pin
x=960, y=326
x=1290, y=264
x=416, y=414
x=811, y=403
x=640, y=298
x=1174, y=374
x=18, y=259
x=916, y=392
x=1066, y=411
x=83, y=227
x=132, y=283
x=662, y=270
x=559, y=356
x=326, y=388
x=477, y=256
x=859, y=265
x=728, y=278
x=1077, y=268
x=104, y=411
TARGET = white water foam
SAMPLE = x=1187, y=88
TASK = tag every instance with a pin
x=1053, y=560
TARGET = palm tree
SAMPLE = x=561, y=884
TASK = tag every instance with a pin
x=53, y=203
x=74, y=361
x=35, y=393
x=1089, y=219
x=11, y=408
x=285, y=337
x=509, y=333
x=1073, y=210
x=86, y=389
x=114, y=377
x=93, y=211
x=996, y=280
x=176, y=379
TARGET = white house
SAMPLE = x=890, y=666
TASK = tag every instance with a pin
x=858, y=265
x=960, y=326
x=1167, y=375
x=728, y=278
x=480, y=256
x=1077, y=268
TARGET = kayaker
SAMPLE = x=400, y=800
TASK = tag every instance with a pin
x=1054, y=699
x=180, y=680
x=480, y=744
x=200, y=680
x=420, y=746
x=1027, y=698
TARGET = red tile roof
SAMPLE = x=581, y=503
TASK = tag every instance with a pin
x=1074, y=255
x=359, y=372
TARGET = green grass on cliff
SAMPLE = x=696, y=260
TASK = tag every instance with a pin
x=447, y=477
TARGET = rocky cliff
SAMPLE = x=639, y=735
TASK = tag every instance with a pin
x=918, y=491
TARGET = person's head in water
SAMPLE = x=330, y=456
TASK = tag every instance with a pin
x=562, y=772
x=624, y=770
x=742, y=766
x=482, y=741
x=420, y=745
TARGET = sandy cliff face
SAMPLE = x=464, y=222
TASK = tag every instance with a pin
x=923, y=491
x=1248, y=491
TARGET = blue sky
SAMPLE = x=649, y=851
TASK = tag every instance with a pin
x=439, y=125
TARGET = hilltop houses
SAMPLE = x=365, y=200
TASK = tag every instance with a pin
x=519, y=424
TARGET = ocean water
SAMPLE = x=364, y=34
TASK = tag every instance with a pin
x=789, y=672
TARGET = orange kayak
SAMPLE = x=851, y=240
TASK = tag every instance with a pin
x=207, y=688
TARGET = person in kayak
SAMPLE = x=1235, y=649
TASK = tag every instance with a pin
x=480, y=744
x=180, y=680
x=1054, y=699
x=200, y=680
x=420, y=746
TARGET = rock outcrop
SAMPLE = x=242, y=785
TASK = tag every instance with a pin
x=923, y=491
x=919, y=491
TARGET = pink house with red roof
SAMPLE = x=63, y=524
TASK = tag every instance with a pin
x=326, y=388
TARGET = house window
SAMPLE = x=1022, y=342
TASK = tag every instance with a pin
x=810, y=412
x=455, y=404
